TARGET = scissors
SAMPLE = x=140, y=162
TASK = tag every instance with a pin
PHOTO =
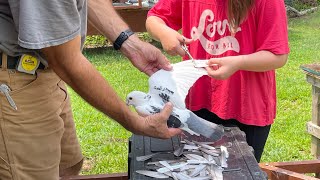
x=198, y=63
x=185, y=48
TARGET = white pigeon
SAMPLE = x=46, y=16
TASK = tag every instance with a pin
x=173, y=86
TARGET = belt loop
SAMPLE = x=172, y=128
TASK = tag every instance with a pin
x=4, y=62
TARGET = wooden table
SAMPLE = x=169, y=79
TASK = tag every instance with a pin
x=241, y=155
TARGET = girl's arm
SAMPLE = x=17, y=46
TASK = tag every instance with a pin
x=223, y=68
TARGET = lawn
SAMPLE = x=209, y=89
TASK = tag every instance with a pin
x=105, y=143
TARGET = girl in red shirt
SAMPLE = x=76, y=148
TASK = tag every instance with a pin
x=245, y=40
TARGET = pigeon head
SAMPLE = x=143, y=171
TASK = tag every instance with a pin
x=136, y=98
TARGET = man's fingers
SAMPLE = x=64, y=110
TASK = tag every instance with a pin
x=167, y=110
x=174, y=131
x=165, y=63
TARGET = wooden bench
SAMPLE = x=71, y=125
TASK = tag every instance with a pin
x=134, y=15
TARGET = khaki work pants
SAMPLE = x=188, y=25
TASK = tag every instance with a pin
x=39, y=137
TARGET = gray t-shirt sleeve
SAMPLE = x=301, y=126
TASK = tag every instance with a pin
x=44, y=23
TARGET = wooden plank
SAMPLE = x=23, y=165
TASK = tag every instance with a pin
x=247, y=155
x=313, y=77
x=276, y=173
x=117, y=176
x=313, y=129
x=315, y=142
x=313, y=80
x=134, y=15
x=316, y=105
x=308, y=166
x=135, y=18
x=311, y=68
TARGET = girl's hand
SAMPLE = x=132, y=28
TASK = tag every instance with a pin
x=172, y=42
x=223, y=68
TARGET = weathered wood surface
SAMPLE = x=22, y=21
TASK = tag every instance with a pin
x=135, y=18
x=312, y=69
x=313, y=77
x=313, y=129
x=134, y=15
x=291, y=170
x=241, y=155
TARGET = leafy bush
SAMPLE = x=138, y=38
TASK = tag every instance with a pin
x=95, y=41
x=305, y=4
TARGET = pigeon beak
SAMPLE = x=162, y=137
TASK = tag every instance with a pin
x=127, y=103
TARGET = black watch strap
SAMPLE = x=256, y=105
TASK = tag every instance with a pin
x=122, y=38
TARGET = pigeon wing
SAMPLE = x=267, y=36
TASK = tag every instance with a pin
x=173, y=86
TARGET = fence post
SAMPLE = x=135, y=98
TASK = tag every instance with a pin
x=313, y=127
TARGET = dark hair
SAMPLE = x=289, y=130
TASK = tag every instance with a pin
x=237, y=12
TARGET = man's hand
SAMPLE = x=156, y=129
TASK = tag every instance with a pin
x=144, y=56
x=156, y=125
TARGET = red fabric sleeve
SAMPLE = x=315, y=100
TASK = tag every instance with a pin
x=272, y=30
x=170, y=11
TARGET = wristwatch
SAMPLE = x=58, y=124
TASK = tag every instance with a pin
x=122, y=38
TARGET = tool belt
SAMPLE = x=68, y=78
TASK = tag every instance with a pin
x=13, y=62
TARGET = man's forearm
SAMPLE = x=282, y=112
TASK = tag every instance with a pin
x=142, y=55
x=105, y=19
x=72, y=67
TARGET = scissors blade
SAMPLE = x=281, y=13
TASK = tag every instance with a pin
x=185, y=48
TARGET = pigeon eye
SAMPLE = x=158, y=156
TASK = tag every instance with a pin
x=130, y=98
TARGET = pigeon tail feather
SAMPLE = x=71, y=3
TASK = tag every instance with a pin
x=207, y=129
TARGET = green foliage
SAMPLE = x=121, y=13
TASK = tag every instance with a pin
x=145, y=36
x=95, y=41
x=105, y=143
x=304, y=4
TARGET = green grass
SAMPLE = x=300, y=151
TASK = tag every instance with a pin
x=105, y=143
x=288, y=139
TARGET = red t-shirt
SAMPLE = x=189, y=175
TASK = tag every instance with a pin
x=249, y=97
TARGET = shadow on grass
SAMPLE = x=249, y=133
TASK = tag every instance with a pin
x=100, y=51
